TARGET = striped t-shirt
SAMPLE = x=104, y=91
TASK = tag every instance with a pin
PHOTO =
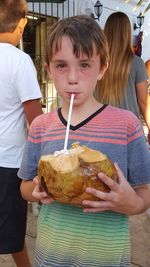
x=66, y=236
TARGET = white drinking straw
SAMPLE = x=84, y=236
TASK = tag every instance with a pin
x=68, y=122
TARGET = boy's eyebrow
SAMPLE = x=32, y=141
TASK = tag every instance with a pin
x=58, y=60
x=63, y=60
x=87, y=59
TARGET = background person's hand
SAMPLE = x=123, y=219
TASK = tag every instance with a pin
x=41, y=196
x=122, y=197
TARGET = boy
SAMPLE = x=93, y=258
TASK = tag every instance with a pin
x=20, y=94
x=98, y=235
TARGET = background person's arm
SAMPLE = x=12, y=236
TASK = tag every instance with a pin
x=143, y=99
x=32, y=109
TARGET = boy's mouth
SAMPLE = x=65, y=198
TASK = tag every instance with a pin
x=75, y=94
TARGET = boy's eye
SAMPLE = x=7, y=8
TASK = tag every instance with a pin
x=60, y=65
x=85, y=65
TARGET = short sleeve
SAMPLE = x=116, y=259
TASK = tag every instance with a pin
x=26, y=80
x=141, y=73
x=138, y=156
x=29, y=164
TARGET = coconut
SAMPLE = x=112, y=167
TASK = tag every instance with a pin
x=65, y=175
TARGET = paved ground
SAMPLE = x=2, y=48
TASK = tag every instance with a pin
x=140, y=240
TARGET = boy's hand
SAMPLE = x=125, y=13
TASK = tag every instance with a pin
x=122, y=197
x=41, y=196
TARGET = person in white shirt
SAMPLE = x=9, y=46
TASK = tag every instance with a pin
x=19, y=105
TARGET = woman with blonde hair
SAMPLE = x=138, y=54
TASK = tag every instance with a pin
x=125, y=82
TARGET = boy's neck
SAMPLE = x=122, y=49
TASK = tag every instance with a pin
x=80, y=113
x=7, y=37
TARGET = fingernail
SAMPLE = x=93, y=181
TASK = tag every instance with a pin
x=84, y=202
x=88, y=190
x=100, y=174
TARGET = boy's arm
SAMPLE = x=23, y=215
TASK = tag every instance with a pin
x=26, y=189
x=31, y=191
x=32, y=109
x=143, y=192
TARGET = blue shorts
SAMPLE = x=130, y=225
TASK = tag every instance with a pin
x=13, y=212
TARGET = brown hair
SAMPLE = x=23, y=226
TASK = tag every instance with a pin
x=110, y=89
x=85, y=35
x=11, y=11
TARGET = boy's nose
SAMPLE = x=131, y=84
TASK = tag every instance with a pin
x=73, y=75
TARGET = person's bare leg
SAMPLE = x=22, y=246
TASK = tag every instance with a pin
x=22, y=258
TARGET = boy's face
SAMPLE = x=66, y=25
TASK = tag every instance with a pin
x=74, y=75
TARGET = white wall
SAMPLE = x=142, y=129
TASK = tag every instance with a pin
x=146, y=37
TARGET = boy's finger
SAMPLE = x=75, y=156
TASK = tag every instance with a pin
x=120, y=173
x=35, y=180
x=99, y=194
x=109, y=182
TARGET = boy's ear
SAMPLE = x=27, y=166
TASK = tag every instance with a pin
x=21, y=24
x=47, y=67
x=102, y=71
